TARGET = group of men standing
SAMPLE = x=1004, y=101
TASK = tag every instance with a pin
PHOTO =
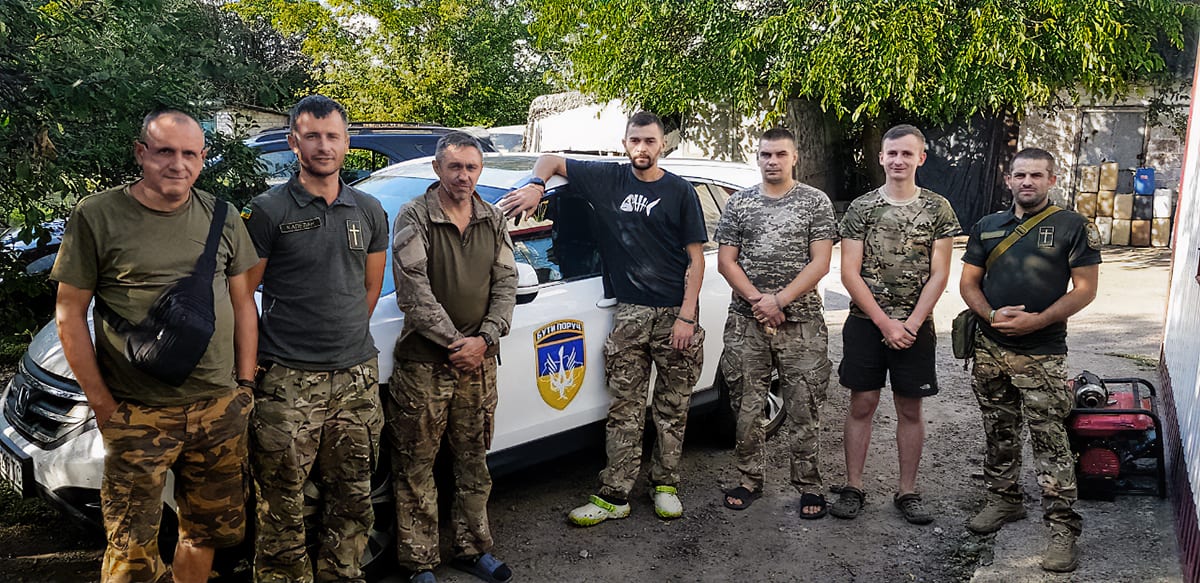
x=775, y=244
x=294, y=395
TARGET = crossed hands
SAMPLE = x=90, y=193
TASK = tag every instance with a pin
x=897, y=335
x=767, y=309
x=1015, y=321
x=466, y=354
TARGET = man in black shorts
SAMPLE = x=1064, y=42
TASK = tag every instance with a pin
x=896, y=247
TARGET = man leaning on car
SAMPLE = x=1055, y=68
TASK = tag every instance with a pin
x=126, y=247
x=651, y=232
x=456, y=281
x=323, y=247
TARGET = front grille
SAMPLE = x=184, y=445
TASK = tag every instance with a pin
x=44, y=408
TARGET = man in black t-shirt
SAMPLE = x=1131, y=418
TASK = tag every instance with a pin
x=651, y=234
x=1022, y=301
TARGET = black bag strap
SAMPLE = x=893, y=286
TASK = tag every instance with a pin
x=206, y=265
x=1020, y=231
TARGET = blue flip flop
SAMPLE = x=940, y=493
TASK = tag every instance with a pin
x=486, y=567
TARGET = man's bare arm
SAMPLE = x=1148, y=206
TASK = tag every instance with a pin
x=527, y=198
x=245, y=323
x=681, y=332
x=727, y=266
x=376, y=264
x=70, y=315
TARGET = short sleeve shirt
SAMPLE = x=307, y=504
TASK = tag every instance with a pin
x=314, y=303
x=643, y=229
x=1034, y=272
x=897, y=245
x=128, y=255
x=773, y=237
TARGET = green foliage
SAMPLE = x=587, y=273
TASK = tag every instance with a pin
x=938, y=60
x=76, y=78
x=454, y=62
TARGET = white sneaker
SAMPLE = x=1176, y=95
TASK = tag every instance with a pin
x=666, y=502
x=597, y=510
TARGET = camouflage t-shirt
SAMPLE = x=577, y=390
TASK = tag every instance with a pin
x=897, y=245
x=772, y=236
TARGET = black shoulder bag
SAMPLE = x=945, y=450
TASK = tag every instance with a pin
x=170, y=342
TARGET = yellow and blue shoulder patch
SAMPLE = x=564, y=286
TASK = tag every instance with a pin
x=246, y=212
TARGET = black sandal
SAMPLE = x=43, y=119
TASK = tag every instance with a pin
x=741, y=493
x=849, y=503
x=808, y=499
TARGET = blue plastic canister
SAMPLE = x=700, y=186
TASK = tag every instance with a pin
x=1143, y=181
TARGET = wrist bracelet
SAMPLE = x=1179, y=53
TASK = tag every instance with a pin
x=685, y=320
x=992, y=317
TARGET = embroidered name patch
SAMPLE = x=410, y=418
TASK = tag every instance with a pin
x=305, y=225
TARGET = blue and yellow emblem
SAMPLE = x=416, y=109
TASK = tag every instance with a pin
x=560, y=361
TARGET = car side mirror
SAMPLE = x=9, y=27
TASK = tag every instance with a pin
x=527, y=283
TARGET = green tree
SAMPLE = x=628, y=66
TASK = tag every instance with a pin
x=454, y=62
x=76, y=78
x=938, y=60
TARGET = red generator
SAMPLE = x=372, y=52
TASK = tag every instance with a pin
x=1116, y=436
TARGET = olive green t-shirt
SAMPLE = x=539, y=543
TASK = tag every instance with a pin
x=128, y=254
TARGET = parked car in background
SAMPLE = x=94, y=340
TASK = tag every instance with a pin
x=552, y=393
x=373, y=145
x=36, y=251
x=508, y=138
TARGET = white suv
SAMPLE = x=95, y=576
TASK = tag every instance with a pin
x=551, y=375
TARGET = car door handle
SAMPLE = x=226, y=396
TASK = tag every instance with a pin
x=606, y=303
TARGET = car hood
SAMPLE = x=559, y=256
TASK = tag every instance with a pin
x=46, y=351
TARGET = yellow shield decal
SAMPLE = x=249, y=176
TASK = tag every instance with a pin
x=560, y=361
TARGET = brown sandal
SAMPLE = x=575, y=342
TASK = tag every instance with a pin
x=849, y=503
x=911, y=507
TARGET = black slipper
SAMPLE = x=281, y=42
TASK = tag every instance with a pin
x=741, y=493
x=808, y=499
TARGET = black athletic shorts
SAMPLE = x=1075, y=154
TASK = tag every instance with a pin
x=867, y=362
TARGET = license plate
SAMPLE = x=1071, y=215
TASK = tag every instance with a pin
x=12, y=470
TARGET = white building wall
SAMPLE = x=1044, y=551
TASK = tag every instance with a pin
x=1181, y=338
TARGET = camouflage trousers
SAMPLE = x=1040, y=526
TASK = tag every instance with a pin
x=332, y=420
x=1011, y=387
x=641, y=337
x=425, y=402
x=799, y=352
x=205, y=444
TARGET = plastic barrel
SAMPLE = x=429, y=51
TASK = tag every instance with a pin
x=1143, y=181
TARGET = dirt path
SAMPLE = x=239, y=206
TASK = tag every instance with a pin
x=1130, y=539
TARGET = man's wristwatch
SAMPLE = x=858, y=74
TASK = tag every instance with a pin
x=538, y=181
x=487, y=339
